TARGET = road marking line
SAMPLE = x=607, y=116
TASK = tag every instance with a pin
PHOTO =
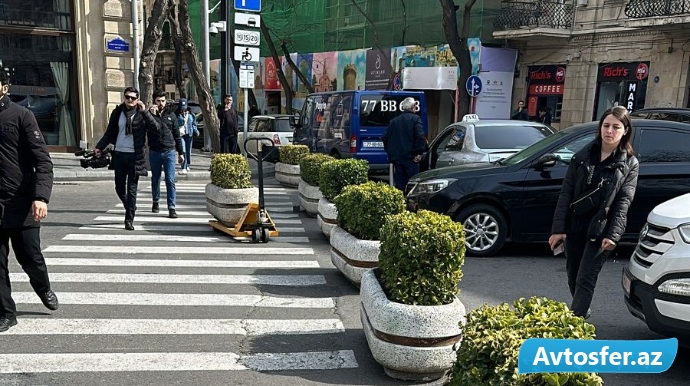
x=128, y=249
x=183, y=213
x=173, y=238
x=196, y=220
x=274, y=280
x=178, y=228
x=64, y=261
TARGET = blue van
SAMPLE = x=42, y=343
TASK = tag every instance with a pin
x=350, y=124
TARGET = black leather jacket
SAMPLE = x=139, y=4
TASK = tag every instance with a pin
x=165, y=135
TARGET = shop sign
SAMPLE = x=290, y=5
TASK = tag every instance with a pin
x=546, y=80
x=546, y=89
x=633, y=71
x=631, y=95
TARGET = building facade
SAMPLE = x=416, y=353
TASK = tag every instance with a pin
x=580, y=57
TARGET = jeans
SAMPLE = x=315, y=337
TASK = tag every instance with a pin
x=126, y=182
x=163, y=162
x=26, y=243
x=583, y=262
x=403, y=171
x=187, y=150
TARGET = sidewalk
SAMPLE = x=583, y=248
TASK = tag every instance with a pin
x=66, y=167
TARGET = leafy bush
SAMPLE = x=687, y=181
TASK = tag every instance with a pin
x=339, y=173
x=492, y=336
x=310, y=166
x=230, y=171
x=293, y=154
x=421, y=256
x=362, y=209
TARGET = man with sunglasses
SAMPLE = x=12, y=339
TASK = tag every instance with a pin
x=26, y=183
x=127, y=132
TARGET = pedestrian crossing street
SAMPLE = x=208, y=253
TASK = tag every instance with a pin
x=174, y=295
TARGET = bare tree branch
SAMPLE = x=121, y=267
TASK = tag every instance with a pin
x=405, y=26
x=297, y=71
x=149, y=51
x=281, y=76
x=386, y=55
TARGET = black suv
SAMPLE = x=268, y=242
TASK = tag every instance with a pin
x=515, y=199
x=675, y=114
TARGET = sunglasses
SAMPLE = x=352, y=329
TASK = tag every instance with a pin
x=131, y=98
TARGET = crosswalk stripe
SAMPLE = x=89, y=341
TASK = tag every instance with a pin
x=164, y=213
x=202, y=192
x=246, y=327
x=274, y=280
x=271, y=208
x=179, y=228
x=195, y=220
x=172, y=238
x=65, y=261
x=176, y=300
x=128, y=249
x=202, y=187
x=179, y=361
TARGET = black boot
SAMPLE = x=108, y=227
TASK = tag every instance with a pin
x=49, y=300
x=155, y=208
x=129, y=226
x=172, y=213
x=6, y=323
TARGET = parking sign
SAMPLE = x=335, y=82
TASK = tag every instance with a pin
x=248, y=5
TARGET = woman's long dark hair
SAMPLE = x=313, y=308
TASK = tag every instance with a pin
x=622, y=114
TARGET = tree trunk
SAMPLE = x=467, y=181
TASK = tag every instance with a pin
x=458, y=46
x=203, y=90
x=283, y=81
x=300, y=75
x=180, y=82
x=152, y=40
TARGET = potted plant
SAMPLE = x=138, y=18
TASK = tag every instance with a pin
x=309, y=193
x=333, y=177
x=410, y=313
x=287, y=170
x=230, y=189
x=492, y=336
x=362, y=211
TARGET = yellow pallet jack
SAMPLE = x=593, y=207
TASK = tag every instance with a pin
x=255, y=222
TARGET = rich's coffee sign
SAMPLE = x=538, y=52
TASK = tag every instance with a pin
x=546, y=80
x=633, y=71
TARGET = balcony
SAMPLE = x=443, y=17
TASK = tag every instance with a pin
x=540, y=18
x=658, y=13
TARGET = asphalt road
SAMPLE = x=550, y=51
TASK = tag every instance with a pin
x=138, y=308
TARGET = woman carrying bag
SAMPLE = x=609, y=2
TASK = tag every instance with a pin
x=592, y=208
x=186, y=122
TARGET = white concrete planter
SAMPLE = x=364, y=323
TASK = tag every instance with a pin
x=287, y=175
x=410, y=342
x=352, y=256
x=328, y=216
x=309, y=197
x=228, y=205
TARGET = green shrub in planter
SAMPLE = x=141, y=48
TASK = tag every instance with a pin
x=362, y=209
x=310, y=166
x=230, y=171
x=492, y=336
x=339, y=173
x=293, y=154
x=420, y=259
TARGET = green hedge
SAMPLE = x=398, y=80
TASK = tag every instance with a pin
x=421, y=258
x=492, y=336
x=362, y=209
x=293, y=154
x=230, y=171
x=310, y=166
x=339, y=173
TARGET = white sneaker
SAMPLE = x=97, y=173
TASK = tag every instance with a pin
x=183, y=171
x=187, y=169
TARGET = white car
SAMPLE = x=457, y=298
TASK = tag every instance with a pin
x=277, y=128
x=656, y=282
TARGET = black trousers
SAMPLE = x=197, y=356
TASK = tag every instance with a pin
x=26, y=243
x=583, y=262
x=228, y=144
x=126, y=182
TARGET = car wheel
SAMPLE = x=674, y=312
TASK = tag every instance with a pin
x=336, y=154
x=485, y=229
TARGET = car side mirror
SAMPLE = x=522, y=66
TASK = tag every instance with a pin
x=547, y=161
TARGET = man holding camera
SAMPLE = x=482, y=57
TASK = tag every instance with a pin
x=26, y=182
x=165, y=144
x=127, y=131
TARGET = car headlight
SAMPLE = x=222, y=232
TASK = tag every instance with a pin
x=676, y=287
x=432, y=186
x=684, y=231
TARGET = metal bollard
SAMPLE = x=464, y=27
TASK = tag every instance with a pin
x=390, y=174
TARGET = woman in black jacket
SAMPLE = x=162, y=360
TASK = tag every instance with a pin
x=593, y=205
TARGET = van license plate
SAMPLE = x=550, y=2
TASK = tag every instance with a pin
x=372, y=144
x=626, y=284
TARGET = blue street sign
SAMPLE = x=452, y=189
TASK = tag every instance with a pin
x=473, y=85
x=248, y=5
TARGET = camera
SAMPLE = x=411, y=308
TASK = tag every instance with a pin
x=91, y=161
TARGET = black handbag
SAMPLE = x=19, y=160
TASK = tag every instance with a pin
x=586, y=203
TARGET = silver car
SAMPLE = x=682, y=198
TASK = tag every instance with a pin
x=476, y=140
x=277, y=128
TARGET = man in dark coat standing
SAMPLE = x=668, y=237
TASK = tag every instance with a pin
x=228, y=126
x=127, y=131
x=26, y=182
x=404, y=143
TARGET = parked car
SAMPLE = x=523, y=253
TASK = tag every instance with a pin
x=515, y=199
x=279, y=128
x=475, y=140
x=656, y=282
x=666, y=114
